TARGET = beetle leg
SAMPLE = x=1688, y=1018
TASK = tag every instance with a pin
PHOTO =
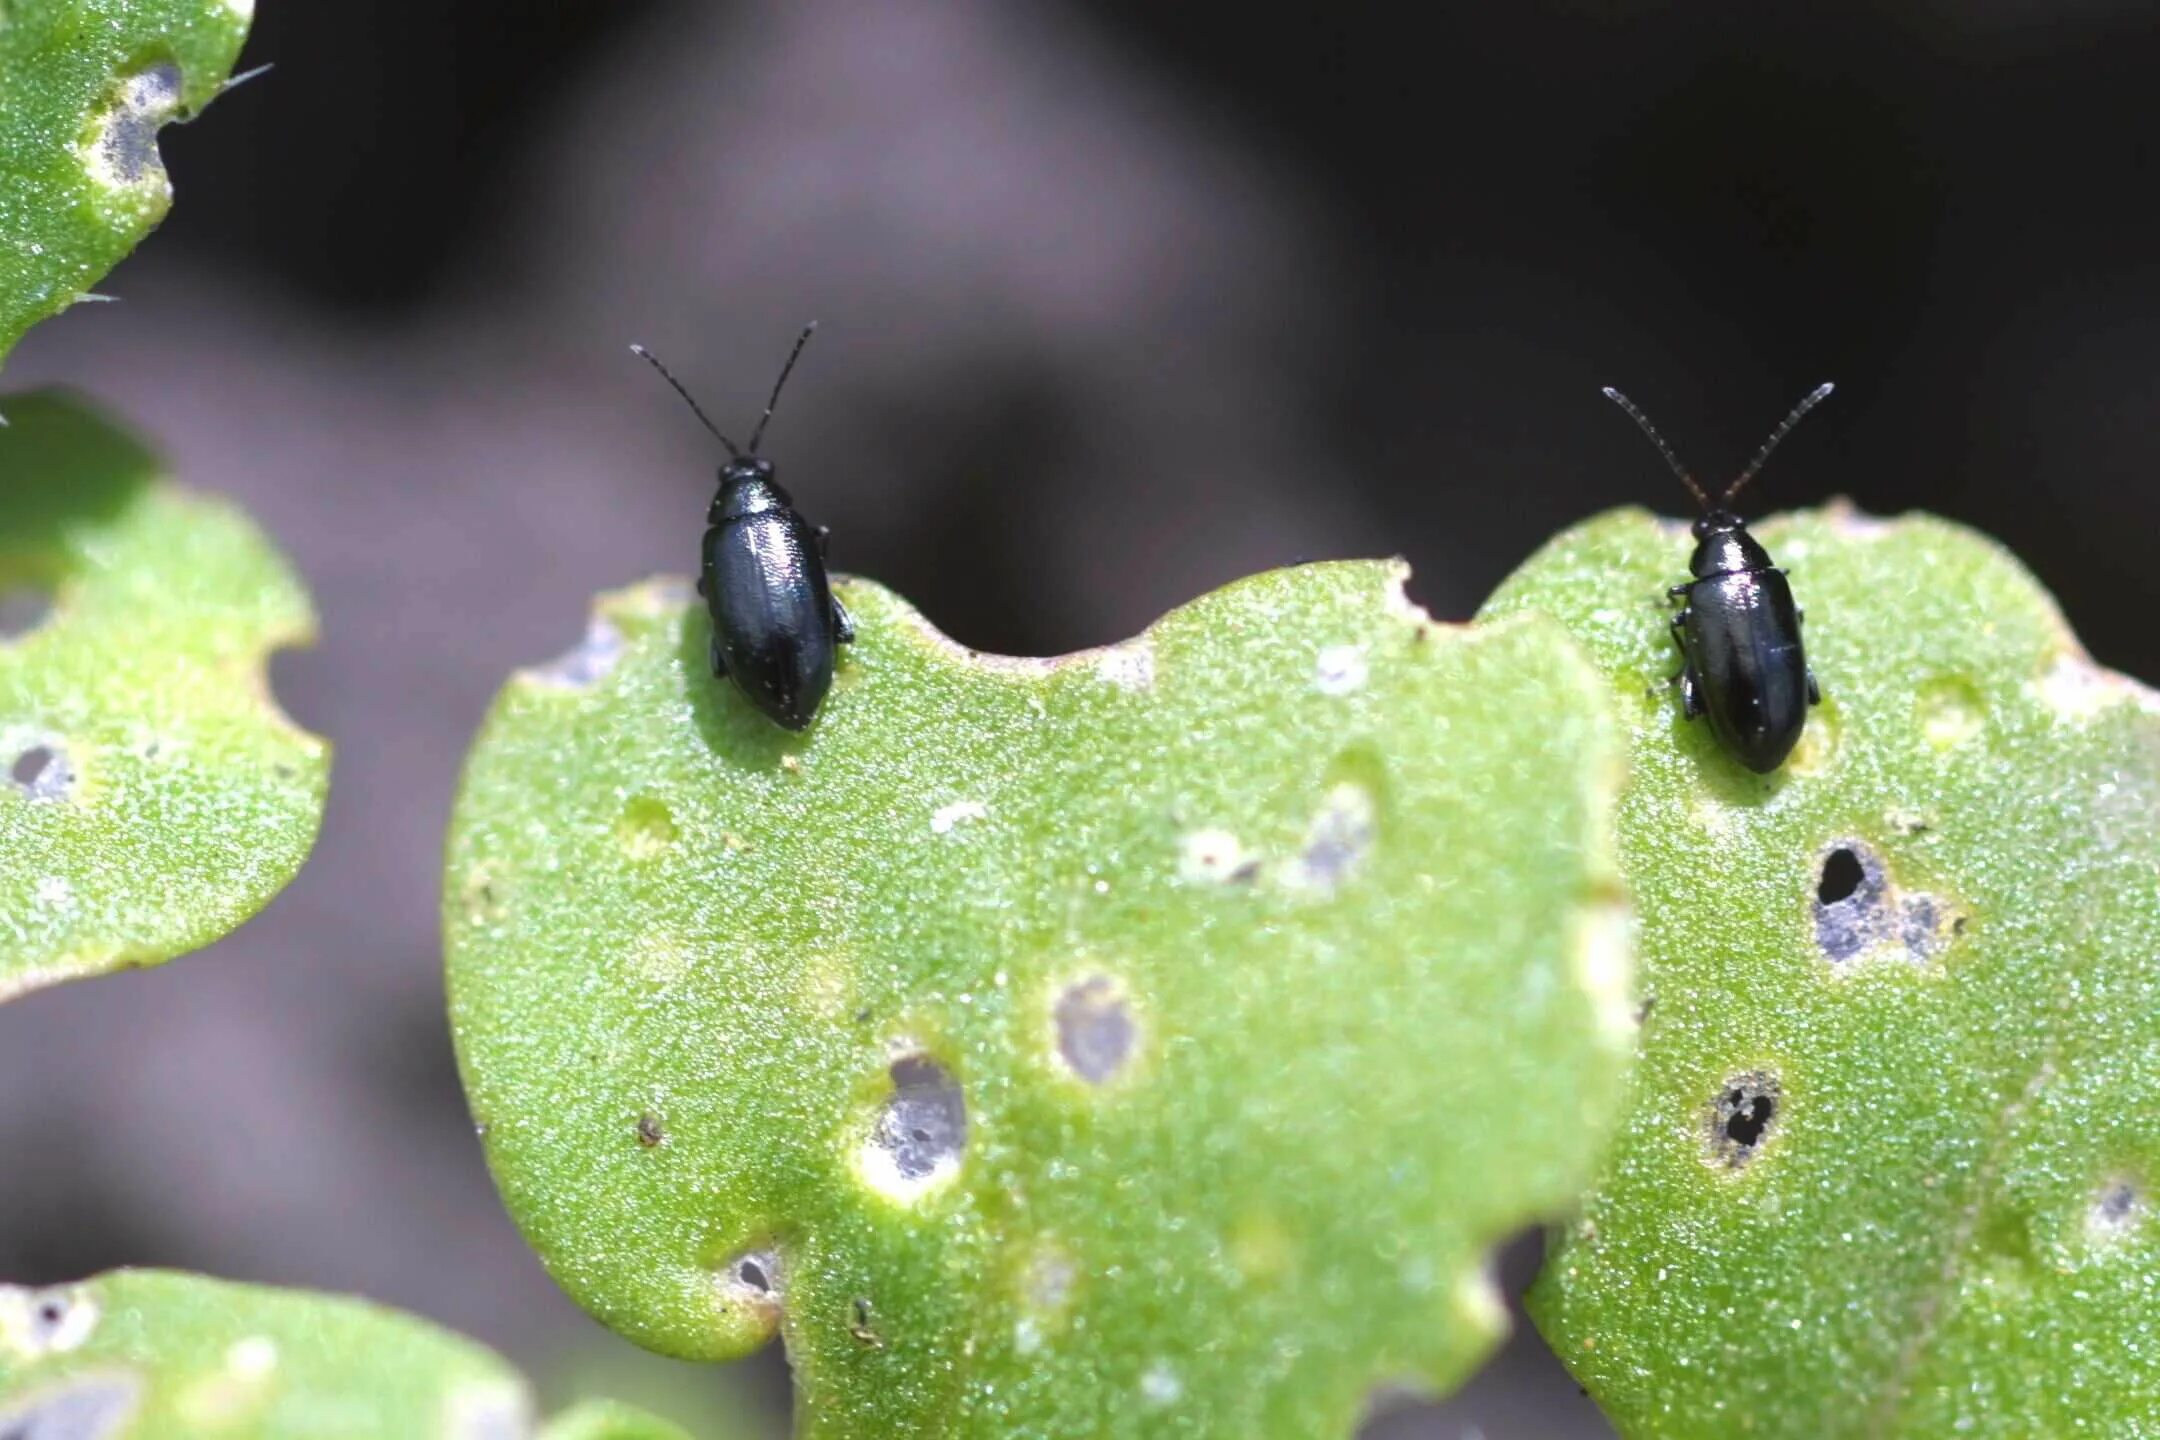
x=843, y=623
x=704, y=588
x=1814, y=691
x=823, y=533
x=1690, y=698
x=719, y=661
x=1677, y=591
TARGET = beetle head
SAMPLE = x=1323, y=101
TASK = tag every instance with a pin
x=747, y=487
x=1723, y=546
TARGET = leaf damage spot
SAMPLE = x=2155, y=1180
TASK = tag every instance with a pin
x=120, y=152
x=1857, y=908
x=2076, y=689
x=1952, y=712
x=481, y=896
x=2117, y=1209
x=1095, y=1028
x=41, y=770
x=862, y=1324
x=1341, y=669
x=650, y=1132
x=948, y=816
x=99, y=1405
x=750, y=1294
x=646, y=828
x=1743, y=1117
x=1341, y=834
x=920, y=1133
x=1130, y=666
x=37, y=1323
x=586, y=663
x=1215, y=857
x=1160, y=1386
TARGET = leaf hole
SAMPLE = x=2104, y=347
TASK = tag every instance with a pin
x=23, y=608
x=1850, y=910
x=920, y=1133
x=751, y=1289
x=586, y=663
x=1095, y=1029
x=42, y=770
x=300, y=681
x=1842, y=875
x=96, y=1406
x=1857, y=906
x=1743, y=1117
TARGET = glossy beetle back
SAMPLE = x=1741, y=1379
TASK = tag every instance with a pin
x=775, y=624
x=774, y=628
x=1738, y=629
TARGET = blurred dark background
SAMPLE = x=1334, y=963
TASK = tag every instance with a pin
x=1120, y=301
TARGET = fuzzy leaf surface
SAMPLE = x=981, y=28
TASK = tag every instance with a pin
x=1151, y=1041
x=84, y=87
x=152, y=794
x=160, y=1355
x=1888, y=1165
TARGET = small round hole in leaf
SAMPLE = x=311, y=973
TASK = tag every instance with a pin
x=1743, y=1117
x=42, y=771
x=1841, y=876
x=920, y=1133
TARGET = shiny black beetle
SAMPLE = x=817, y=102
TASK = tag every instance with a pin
x=775, y=622
x=1738, y=630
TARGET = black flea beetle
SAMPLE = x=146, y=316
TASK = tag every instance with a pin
x=775, y=622
x=1738, y=629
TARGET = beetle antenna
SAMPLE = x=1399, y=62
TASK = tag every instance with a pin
x=785, y=371
x=1814, y=397
x=653, y=360
x=1658, y=440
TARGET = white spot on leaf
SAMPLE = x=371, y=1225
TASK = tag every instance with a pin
x=2077, y=689
x=1160, y=1386
x=1214, y=857
x=1341, y=669
x=1130, y=666
x=252, y=1358
x=36, y=1323
x=950, y=815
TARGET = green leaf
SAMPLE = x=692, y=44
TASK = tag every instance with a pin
x=1889, y=1159
x=152, y=795
x=1149, y=1041
x=611, y=1420
x=158, y=1355
x=84, y=87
